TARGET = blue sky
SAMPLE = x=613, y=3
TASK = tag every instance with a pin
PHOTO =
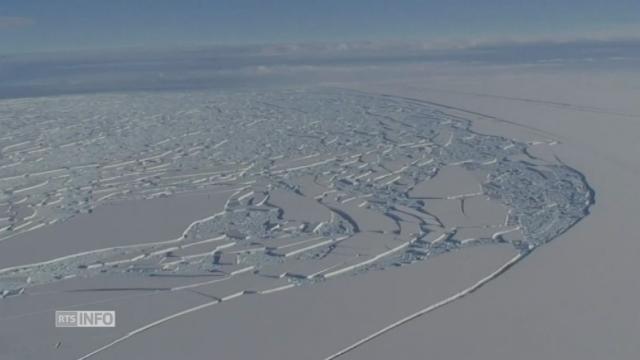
x=46, y=25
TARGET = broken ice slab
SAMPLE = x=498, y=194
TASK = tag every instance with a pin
x=449, y=182
x=297, y=207
x=481, y=210
x=244, y=284
x=281, y=177
x=306, y=268
x=365, y=260
x=233, y=268
x=202, y=248
x=362, y=218
x=301, y=247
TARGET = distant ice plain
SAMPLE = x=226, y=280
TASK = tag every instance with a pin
x=432, y=334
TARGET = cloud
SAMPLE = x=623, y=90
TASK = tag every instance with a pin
x=15, y=22
x=248, y=66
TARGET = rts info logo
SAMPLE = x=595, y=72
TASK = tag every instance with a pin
x=85, y=318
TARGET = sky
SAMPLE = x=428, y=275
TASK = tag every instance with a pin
x=45, y=25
